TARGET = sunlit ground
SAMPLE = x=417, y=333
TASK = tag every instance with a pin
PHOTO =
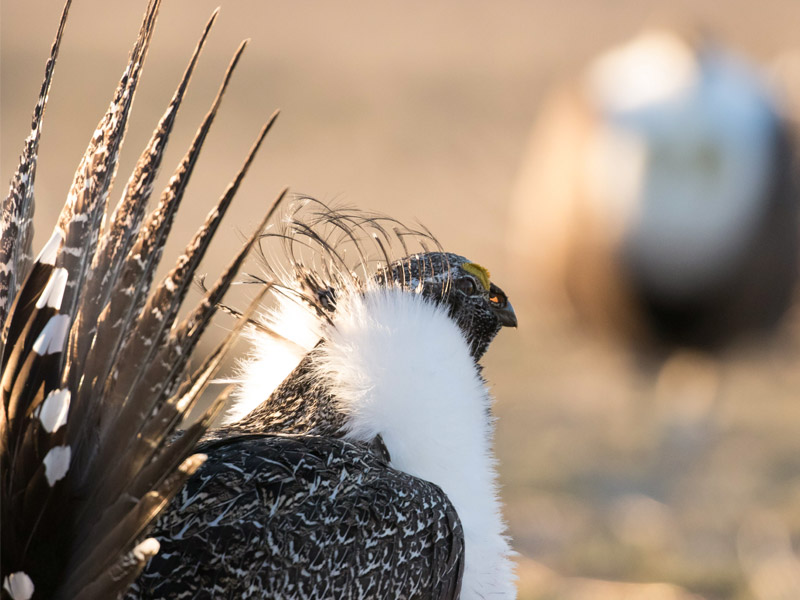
x=687, y=484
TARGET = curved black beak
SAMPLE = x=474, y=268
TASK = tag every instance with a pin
x=502, y=307
x=506, y=315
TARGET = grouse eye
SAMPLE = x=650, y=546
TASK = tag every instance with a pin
x=466, y=285
x=498, y=299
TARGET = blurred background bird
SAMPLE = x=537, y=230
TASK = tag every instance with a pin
x=431, y=107
x=661, y=196
x=657, y=204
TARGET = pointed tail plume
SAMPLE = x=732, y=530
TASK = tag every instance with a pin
x=95, y=377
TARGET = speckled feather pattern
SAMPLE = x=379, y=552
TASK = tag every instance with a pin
x=301, y=404
x=304, y=517
x=16, y=223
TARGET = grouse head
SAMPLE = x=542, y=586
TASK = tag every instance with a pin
x=478, y=306
x=335, y=252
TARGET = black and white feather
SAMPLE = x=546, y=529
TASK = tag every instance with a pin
x=368, y=470
x=94, y=363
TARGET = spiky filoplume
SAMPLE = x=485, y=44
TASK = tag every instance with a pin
x=94, y=366
x=368, y=471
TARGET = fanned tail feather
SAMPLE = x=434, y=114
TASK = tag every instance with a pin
x=138, y=268
x=81, y=218
x=126, y=219
x=16, y=223
x=94, y=378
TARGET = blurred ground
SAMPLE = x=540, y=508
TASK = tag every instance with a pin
x=422, y=110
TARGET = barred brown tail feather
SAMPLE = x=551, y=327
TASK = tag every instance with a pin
x=79, y=492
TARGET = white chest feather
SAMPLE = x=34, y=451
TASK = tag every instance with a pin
x=399, y=367
x=272, y=358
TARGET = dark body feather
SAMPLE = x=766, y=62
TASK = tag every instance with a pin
x=304, y=517
x=297, y=406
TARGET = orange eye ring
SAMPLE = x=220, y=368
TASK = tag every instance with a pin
x=499, y=300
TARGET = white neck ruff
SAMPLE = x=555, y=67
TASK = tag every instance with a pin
x=398, y=366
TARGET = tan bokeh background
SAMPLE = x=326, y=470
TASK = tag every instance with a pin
x=422, y=110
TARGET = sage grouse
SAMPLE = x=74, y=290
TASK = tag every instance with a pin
x=367, y=472
x=661, y=195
